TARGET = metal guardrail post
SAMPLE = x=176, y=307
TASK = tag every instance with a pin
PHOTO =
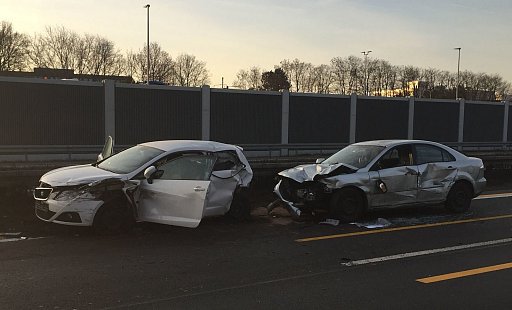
x=505, y=122
x=410, y=128
x=285, y=119
x=205, y=112
x=353, y=117
x=110, y=109
x=462, y=105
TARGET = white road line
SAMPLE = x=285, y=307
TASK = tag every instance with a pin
x=492, y=196
x=426, y=252
x=20, y=239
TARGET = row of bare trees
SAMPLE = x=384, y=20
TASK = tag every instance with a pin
x=378, y=77
x=60, y=48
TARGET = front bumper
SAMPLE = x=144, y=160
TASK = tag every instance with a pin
x=480, y=185
x=77, y=212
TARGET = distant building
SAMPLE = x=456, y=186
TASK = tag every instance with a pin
x=414, y=89
x=65, y=74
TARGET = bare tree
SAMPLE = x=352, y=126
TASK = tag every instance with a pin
x=189, y=71
x=55, y=48
x=13, y=48
x=298, y=72
x=248, y=79
x=61, y=48
x=324, y=78
x=161, y=65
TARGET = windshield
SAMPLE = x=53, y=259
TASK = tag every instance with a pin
x=355, y=155
x=130, y=159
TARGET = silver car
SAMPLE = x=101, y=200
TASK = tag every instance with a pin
x=380, y=174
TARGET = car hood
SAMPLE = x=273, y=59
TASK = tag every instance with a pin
x=76, y=175
x=314, y=172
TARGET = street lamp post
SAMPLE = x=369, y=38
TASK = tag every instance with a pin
x=458, y=74
x=147, y=7
x=365, y=53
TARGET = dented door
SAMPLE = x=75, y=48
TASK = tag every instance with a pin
x=396, y=177
x=435, y=180
x=178, y=196
x=437, y=170
x=400, y=183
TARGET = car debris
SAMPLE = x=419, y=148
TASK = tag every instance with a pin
x=378, y=223
x=175, y=182
x=382, y=174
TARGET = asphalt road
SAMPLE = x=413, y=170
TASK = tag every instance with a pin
x=425, y=259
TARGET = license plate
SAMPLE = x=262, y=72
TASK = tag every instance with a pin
x=42, y=206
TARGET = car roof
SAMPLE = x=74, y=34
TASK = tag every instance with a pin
x=191, y=145
x=388, y=143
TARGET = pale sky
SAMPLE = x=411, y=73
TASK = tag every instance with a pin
x=230, y=35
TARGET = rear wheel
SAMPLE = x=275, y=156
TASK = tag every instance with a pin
x=113, y=218
x=240, y=208
x=459, y=198
x=347, y=205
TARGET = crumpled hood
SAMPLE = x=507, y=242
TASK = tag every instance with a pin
x=313, y=172
x=76, y=175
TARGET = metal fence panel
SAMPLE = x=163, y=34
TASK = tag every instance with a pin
x=245, y=118
x=51, y=114
x=381, y=119
x=436, y=120
x=483, y=122
x=319, y=119
x=149, y=114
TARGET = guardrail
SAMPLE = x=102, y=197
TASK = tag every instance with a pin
x=71, y=152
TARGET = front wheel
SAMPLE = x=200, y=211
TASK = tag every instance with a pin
x=113, y=218
x=459, y=198
x=347, y=205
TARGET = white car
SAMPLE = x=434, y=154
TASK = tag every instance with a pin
x=382, y=174
x=175, y=182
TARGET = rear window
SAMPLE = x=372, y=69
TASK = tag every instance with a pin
x=432, y=154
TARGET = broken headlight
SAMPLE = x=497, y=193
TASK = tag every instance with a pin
x=306, y=194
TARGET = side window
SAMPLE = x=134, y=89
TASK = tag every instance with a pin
x=396, y=157
x=188, y=167
x=226, y=161
x=431, y=154
x=447, y=156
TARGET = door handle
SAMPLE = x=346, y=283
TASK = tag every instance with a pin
x=199, y=189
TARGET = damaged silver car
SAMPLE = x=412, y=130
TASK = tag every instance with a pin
x=175, y=182
x=380, y=174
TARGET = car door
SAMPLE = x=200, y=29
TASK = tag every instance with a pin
x=437, y=169
x=395, y=176
x=177, y=196
x=224, y=180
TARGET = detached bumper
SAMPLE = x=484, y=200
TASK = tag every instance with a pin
x=294, y=211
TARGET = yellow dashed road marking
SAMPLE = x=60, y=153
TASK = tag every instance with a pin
x=465, y=273
x=379, y=231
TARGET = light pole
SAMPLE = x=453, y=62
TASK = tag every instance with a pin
x=147, y=7
x=458, y=73
x=365, y=53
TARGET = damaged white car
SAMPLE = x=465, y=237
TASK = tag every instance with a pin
x=385, y=173
x=175, y=182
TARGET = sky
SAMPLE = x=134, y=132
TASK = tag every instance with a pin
x=230, y=35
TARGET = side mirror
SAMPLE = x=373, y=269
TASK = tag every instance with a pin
x=319, y=160
x=108, y=149
x=148, y=173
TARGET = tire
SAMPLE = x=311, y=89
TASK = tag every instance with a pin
x=459, y=198
x=240, y=208
x=113, y=218
x=347, y=205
